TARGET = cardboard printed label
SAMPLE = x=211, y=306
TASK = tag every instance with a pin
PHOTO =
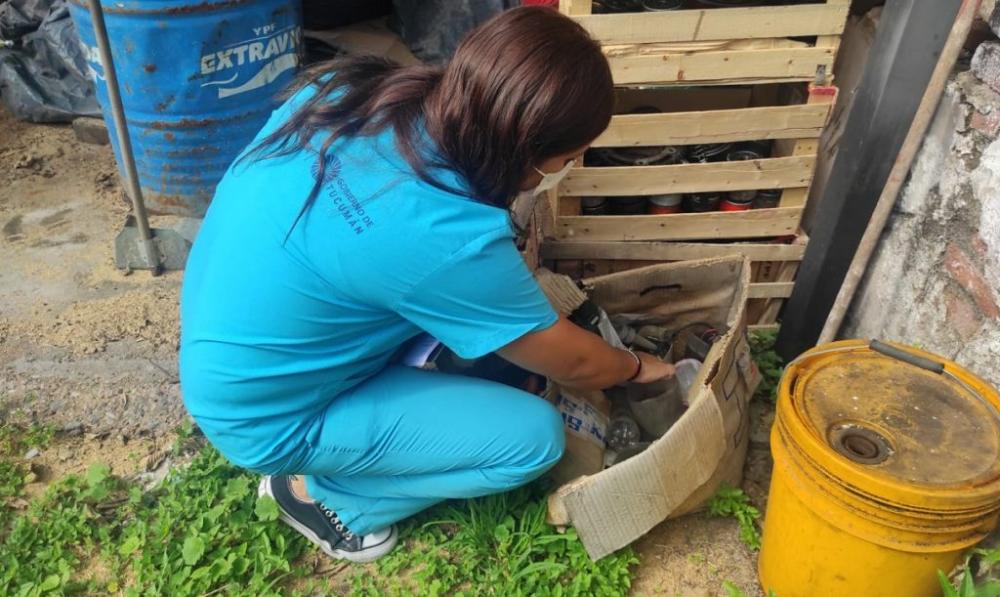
x=581, y=419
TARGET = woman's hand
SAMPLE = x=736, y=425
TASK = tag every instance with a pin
x=576, y=358
x=653, y=369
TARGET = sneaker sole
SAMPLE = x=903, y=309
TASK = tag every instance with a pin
x=369, y=554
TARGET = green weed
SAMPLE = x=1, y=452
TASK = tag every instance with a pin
x=770, y=364
x=978, y=577
x=496, y=545
x=15, y=441
x=733, y=503
x=205, y=531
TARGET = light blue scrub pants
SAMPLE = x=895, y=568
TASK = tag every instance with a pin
x=407, y=439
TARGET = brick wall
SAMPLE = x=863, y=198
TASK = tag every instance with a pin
x=934, y=281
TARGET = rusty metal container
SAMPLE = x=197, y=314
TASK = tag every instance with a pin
x=198, y=80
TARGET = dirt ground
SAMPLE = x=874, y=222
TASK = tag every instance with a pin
x=81, y=344
x=93, y=351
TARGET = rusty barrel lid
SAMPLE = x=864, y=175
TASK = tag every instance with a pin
x=896, y=423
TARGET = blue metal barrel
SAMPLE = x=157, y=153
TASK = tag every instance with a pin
x=198, y=80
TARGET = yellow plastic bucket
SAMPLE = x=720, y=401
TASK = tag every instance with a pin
x=886, y=469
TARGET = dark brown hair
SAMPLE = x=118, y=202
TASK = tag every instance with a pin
x=527, y=85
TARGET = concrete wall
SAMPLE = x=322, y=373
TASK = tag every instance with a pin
x=934, y=281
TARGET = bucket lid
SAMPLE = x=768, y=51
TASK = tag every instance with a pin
x=893, y=428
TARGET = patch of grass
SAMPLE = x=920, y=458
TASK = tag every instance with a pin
x=733, y=503
x=770, y=364
x=205, y=531
x=16, y=439
x=197, y=533
x=42, y=548
x=732, y=589
x=496, y=545
x=14, y=442
x=977, y=577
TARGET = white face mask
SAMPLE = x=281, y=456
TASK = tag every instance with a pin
x=524, y=203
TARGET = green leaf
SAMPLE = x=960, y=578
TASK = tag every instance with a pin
x=536, y=567
x=200, y=572
x=947, y=589
x=129, y=546
x=990, y=588
x=988, y=556
x=266, y=508
x=967, y=588
x=97, y=474
x=501, y=533
x=193, y=549
x=732, y=590
x=51, y=583
x=237, y=488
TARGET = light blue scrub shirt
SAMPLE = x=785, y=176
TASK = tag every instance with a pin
x=273, y=330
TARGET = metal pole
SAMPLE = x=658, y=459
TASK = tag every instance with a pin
x=124, y=143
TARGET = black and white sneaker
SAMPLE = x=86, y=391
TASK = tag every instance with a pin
x=323, y=527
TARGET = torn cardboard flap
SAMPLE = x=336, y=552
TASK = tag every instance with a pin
x=368, y=38
x=707, y=445
x=561, y=291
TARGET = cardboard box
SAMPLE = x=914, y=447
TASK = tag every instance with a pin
x=368, y=38
x=707, y=446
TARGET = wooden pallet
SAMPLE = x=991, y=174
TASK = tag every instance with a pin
x=773, y=265
x=794, y=128
x=722, y=75
x=723, y=45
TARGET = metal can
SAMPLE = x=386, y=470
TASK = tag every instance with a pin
x=665, y=204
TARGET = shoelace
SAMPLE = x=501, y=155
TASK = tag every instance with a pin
x=337, y=523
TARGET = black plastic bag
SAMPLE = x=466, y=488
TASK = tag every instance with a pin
x=20, y=17
x=318, y=15
x=433, y=28
x=44, y=76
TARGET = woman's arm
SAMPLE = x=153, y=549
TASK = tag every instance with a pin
x=576, y=358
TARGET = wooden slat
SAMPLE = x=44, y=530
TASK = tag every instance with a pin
x=767, y=327
x=655, y=251
x=716, y=24
x=575, y=7
x=772, y=173
x=761, y=290
x=818, y=96
x=770, y=65
x=715, y=126
x=831, y=42
x=744, y=224
x=786, y=273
